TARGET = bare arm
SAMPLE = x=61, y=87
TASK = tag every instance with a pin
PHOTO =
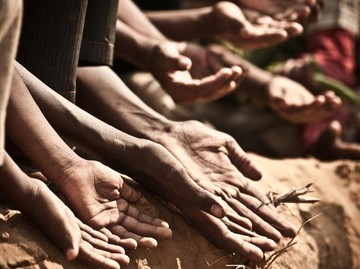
x=130, y=14
x=95, y=192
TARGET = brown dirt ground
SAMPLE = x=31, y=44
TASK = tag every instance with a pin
x=330, y=241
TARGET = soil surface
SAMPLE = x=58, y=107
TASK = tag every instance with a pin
x=331, y=240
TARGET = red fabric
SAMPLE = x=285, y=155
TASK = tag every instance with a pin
x=334, y=51
x=311, y=132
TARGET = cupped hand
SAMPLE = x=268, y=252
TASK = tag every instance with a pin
x=173, y=71
x=294, y=103
x=231, y=24
x=217, y=164
x=101, y=198
x=77, y=240
x=292, y=28
x=302, y=11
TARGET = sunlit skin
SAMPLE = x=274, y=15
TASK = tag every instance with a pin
x=289, y=99
x=97, y=194
x=77, y=240
x=164, y=169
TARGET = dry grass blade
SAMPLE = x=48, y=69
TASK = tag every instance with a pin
x=269, y=261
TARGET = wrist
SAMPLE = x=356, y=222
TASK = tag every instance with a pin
x=60, y=170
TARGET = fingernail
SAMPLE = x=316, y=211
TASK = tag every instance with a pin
x=217, y=211
x=164, y=224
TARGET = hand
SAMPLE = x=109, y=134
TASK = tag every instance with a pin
x=76, y=239
x=292, y=28
x=101, y=199
x=172, y=69
x=302, y=11
x=296, y=104
x=231, y=24
x=287, y=98
x=217, y=164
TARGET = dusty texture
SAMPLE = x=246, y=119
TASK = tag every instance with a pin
x=331, y=240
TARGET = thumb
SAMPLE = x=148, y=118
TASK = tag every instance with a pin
x=170, y=58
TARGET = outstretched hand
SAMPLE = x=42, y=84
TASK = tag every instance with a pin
x=77, y=240
x=171, y=67
x=217, y=164
x=101, y=198
x=248, y=29
x=302, y=11
x=289, y=99
x=294, y=103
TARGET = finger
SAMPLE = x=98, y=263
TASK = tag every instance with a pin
x=99, y=244
x=241, y=161
x=127, y=243
x=292, y=28
x=240, y=220
x=170, y=58
x=238, y=74
x=332, y=100
x=267, y=213
x=127, y=217
x=92, y=257
x=180, y=63
x=92, y=232
x=260, y=37
x=216, y=86
x=262, y=242
x=217, y=233
x=206, y=89
x=303, y=113
x=145, y=218
x=259, y=225
x=142, y=241
x=133, y=225
x=129, y=193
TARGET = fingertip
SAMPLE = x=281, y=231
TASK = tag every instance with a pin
x=184, y=63
x=237, y=70
x=287, y=228
x=290, y=231
x=224, y=72
x=232, y=85
x=126, y=260
x=320, y=99
x=250, y=170
x=296, y=29
x=256, y=254
x=276, y=235
x=132, y=244
x=148, y=242
x=71, y=254
x=264, y=243
x=167, y=233
x=217, y=211
x=164, y=224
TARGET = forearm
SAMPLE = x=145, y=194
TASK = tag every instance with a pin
x=116, y=104
x=184, y=24
x=131, y=15
x=132, y=46
x=255, y=83
x=13, y=182
x=82, y=129
x=29, y=130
